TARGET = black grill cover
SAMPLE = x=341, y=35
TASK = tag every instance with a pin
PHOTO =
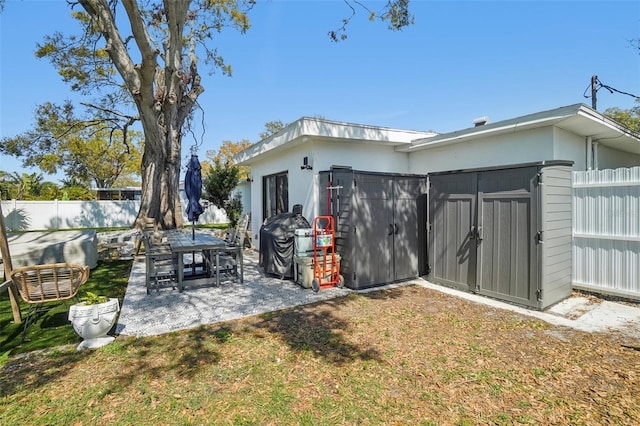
x=276, y=243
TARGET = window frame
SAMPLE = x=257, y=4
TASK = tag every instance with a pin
x=275, y=194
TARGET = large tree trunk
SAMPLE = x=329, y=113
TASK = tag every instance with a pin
x=164, y=96
x=160, y=198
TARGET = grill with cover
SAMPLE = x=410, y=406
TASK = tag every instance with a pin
x=277, y=240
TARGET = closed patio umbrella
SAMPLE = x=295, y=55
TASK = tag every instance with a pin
x=193, y=190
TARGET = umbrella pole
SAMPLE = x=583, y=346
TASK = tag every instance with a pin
x=193, y=230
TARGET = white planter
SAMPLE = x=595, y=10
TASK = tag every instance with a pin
x=93, y=322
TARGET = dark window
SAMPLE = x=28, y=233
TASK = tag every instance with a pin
x=275, y=194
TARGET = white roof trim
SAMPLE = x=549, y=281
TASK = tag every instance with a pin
x=304, y=128
x=578, y=119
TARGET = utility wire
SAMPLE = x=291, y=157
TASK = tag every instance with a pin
x=601, y=85
x=611, y=90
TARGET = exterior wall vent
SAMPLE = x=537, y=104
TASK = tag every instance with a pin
x=481, y=121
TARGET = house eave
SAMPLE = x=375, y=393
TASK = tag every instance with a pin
x=578, y=119
x=307, y=129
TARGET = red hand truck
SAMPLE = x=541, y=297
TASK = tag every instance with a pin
x=326, y=267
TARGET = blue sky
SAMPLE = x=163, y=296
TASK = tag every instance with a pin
x=460, y=61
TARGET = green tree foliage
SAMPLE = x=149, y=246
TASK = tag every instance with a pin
x=6, y=186
x=395, y=13
x=218, y=185
x=222, y=175
x=50, y=191
x=84, y=149
x=73, y=189
x=140, y=60
x=629, y=118
x=27, y=186
x=77, y=193
x=271, y=128
x=234, y=210
x=225, y=155
x=227, y=151
x=24, y=186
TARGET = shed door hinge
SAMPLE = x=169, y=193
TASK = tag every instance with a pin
x=539, y=237
x=539, y=295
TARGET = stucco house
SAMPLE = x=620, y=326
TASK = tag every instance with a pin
x=294, y=166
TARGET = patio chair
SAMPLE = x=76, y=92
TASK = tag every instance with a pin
x=42, y=284
x=228, y=259
x=161, y=263
x=150, y=226
x=236, y=236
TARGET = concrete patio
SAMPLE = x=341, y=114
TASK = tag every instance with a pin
x=168, y=310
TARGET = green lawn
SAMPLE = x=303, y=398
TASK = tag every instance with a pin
x=408, y=355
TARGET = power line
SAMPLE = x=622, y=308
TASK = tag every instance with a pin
x=611, y=90
x=596, y=85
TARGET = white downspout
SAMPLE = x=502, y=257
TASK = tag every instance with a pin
x=589, y=153
x=595, y=155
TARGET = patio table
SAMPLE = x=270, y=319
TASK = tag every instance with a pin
x=212, y=249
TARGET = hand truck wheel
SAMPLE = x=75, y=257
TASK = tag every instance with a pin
x=315, y=285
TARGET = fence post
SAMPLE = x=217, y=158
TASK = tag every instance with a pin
x=6, y=260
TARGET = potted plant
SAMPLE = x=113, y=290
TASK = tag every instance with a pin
x=92, y=318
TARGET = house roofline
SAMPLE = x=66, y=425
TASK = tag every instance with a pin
x=301, y=130
x=563, y=117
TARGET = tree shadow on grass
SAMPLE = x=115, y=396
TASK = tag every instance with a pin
x=182, y=353
x=198, y=354
x=317, y=329
x=27, y=372
x=55, y=320
x=384, y=294
x=322, y=329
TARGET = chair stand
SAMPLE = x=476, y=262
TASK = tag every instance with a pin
x=37, y=310
x=43, y=284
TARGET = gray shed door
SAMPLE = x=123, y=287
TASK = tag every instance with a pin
x=452, y=218
x=405, y=227
x=506, y=243
x=373, y=242
x=387, y=231
x=482, y=234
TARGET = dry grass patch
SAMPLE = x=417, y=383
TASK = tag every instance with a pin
x=403, y=356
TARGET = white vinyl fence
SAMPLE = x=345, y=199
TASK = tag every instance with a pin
x=606, y=231
x=44, y=215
